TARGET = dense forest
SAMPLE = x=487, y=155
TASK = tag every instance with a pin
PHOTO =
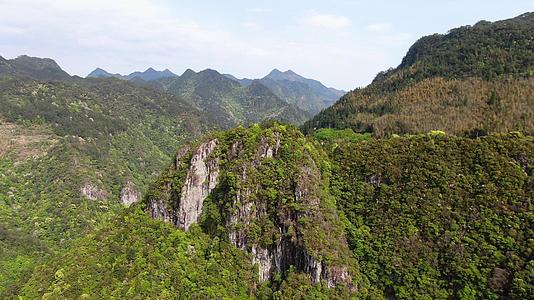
x=440, y=216
x=428, y=215
x=471, y=81
x=419, y=186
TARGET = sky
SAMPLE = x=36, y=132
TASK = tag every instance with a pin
x=342, y=43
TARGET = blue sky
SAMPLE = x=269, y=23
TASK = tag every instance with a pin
x=342, y=43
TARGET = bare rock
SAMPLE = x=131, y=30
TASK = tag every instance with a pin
x=129, y=195
x=201, y=179
x=93, y=192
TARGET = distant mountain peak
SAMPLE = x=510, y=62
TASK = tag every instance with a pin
x=287, y=75
x=37, y=62
x=188, y=73
x=275, y=72
x=101, y=73
x=34, y=67
x=208, y=70
x=307, y=94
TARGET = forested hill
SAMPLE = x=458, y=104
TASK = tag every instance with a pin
x=33, y=67
x=267, y=213
x=72, y=150
x=472, y=80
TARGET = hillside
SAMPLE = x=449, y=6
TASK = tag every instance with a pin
x=74, y=151
x=281, y=217
x=71, y=153
x=473, y=80
x=307, y=94
x=229, y=102
x=157, y=186
x=249, y=196
x=33, y=67
x=439, y=216
x=214, y=93
x=148, y=75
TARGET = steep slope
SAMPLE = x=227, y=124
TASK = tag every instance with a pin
x=74, y=150
x=307, y=94
x=264, y=213
x=33, y=67
x=440, y=217
x=472, y=80
x=263, y=189
x=249, y=215
x=228, y=102
x=71, y=153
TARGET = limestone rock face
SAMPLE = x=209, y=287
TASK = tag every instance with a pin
x=201, y=180
x=288, y=250
x=129, y=195
x=158, y=210
x=93, y=192
x=280, y=221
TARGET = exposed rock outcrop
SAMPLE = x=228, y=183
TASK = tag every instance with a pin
x=289, y=249
x=279, y=219
x=129, y=195
x=201, y=178
x=92, y=192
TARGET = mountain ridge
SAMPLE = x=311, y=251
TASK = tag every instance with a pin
x=149, y=74
x=478, y=79
x=307, y=94
x=33, y=67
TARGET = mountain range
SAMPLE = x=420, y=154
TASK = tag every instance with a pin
x=308, y=95
x=148, y=75
x=418, y=186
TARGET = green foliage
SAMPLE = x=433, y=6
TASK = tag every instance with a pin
x=136, y=257
x=438, y=216
x=228, y=103
x=333, y=135
x=61, y=136
x=473, y=80
x=266, y=200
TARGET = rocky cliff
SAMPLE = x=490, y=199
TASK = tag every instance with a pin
x=263, y=190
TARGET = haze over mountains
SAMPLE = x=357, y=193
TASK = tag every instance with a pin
x=148, y=75
x=307, y=94
x=417, y=186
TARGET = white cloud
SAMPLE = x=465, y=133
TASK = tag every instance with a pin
x=250, y=25
x=10, y=30
x=259, y=10
x=379, y=28
x=127, y=35
x=125, y=28
x=325, y=21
